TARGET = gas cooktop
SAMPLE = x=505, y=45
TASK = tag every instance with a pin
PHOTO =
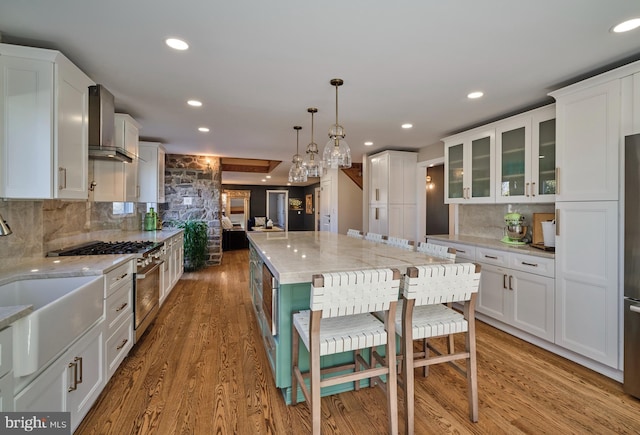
x=106, y=248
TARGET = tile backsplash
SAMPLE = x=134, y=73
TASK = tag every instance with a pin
x=41, y=226
x=487, y=220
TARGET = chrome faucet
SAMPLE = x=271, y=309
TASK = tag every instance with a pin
x=4, y=227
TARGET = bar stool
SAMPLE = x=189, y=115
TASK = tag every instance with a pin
x=373, y=237
x=399, y=243
x=437, y=250
x=354, y=233
x=425, y=290
x=340, y=320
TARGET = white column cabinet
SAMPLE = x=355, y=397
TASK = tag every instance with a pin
x=392, y=193
x=588, y=135
x=151, y=172
x=587, y=294
x=44, y=102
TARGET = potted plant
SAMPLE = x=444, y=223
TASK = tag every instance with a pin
x=195, y=243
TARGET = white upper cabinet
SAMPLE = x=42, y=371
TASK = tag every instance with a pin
x=43, y=125
x=588, y=134
x=525, y=157
x=115, y=180
x=151, y=172
x=469, y=167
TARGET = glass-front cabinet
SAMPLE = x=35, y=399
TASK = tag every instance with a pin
x=469, y=172
x=525, y=157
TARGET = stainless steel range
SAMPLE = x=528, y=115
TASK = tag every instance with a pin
x=146, y=288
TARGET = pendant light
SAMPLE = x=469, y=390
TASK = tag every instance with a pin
x=336, y=153
x=310, y=162
x=297, y=173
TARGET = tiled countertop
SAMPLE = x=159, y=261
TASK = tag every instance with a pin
x=294, y=257
x=493, y=244
x=14, y=269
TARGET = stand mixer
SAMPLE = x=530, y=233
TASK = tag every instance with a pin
x=515, y=231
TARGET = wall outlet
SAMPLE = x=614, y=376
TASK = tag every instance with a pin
x=187, y=200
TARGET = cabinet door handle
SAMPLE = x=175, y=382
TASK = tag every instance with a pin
x=504, y=281
x=125, y=341
x=461, y=251
x=557, y=222
x=79, y=360
x=377, y=194
x=529, y=264
x=62, y=171
x=74, y=378
x=510, y=282
x=526, y=190
x=122, y=307
x=493, y=257
x=533, y=189
x=376, y=213
x=557, y=180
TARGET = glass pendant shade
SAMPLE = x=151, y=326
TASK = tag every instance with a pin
x=310, y=162
x=297, y=172
x=337, y=153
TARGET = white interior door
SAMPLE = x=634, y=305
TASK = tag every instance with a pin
x=325, y=205
x=277, y=201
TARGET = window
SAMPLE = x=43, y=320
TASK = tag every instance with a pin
x=123, y=208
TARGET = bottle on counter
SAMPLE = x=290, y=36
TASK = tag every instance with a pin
x=150, y=220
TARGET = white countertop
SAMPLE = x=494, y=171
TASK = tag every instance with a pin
x=293, y=257
x=14, y=269
x=493, y=244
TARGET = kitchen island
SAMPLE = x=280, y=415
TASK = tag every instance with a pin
x=281, y=266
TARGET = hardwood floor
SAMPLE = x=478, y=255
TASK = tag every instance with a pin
x=201, y=369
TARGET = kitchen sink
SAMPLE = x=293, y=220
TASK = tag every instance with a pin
x=63, y=309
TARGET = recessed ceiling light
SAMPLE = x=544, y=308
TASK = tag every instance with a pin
x=176, y=44
x=194, y=103
x=264, y=180
x=288, y=184
x=268, y=176
x=474, y=95
x=203, y=129
x=407, y=125
x=625, y=26
x=368, y=143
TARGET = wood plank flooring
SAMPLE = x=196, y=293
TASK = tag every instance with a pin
x=201, y=369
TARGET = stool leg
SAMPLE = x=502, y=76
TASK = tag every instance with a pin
x=314, y=367
x=472, y=373
x=295, y=340
x=392, y=383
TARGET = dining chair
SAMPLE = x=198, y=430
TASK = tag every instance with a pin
x=437, y=250
x=354, y=233
x=425, y=290
x=373, y=237
x=340, y=320
x=399, y=242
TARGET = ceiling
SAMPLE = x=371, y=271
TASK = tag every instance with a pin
x=258, y=65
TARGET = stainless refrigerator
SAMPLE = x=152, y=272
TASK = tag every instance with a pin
x=632, y=266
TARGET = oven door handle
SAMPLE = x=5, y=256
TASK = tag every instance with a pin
x=144, y=274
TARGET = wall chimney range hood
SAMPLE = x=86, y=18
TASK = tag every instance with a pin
x=102, y=144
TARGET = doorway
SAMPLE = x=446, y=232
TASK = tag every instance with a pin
x=277, y=201
x=437, y=210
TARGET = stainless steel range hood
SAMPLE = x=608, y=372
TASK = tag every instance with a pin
x=102, y=144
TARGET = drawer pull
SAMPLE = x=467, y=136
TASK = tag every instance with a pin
x=529, y=264
x=493, y=257
x=122, y=276
x=125, y=341
x=460, y=250
x=122, y=307
x=510, y=282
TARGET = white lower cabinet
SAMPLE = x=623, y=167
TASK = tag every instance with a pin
x=72, y=383
x=6, y=373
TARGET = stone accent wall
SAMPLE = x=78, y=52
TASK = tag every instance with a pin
x=193, y=185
